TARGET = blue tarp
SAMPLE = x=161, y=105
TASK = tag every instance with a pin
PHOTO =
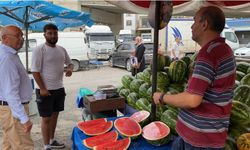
x=39, y=13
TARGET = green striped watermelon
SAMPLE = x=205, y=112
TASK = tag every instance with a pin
x=168, y=60
x=248, y=70
x=240, y=113
x=142, y=103
x=124, y=92
x=143, y=90
x=242, y=66
x=126, y=79
x=132, y=98
x=239, y=75
x=245, y=80
x=177, y=71
x=242, y=94
x=187, y=60
x=135, y=85
x=169, y=118
x=161, y=63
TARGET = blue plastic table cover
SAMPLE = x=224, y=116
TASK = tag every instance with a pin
x=139, y=144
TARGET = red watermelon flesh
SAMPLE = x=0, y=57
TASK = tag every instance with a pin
x=87, y=124
x=117, y=145
x=101, y=139
x=98, y=129
x=155, y=130
x=140, y=116
x=128, y=127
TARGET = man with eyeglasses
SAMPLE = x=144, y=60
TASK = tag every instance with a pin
x=15, y=93
x=47, y=67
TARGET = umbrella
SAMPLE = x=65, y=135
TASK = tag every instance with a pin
x=34, y=14
x=181, y=8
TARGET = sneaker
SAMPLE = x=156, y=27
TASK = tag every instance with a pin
x=48, y=149
x=56, y=145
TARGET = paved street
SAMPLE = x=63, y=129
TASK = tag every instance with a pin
x=68, y=119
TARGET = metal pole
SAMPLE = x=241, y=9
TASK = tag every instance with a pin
x=155, y=54
x=26, y=26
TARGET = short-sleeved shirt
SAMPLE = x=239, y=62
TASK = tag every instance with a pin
x=213, y=78
x=176, y=50
x=50, y=61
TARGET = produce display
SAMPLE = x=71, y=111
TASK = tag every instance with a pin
x=116, y=145
x=142, y=117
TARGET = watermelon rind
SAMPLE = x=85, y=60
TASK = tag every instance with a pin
x=100, y=139
x=108, y=126
x=119, y=128
x=122, y=144
x=161, y=140
x=86, y=124
x=142, y=117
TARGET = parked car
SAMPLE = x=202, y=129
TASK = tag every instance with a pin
x=121, y=55
x=243, y=52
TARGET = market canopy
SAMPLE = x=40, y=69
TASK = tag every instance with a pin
x=188, y=7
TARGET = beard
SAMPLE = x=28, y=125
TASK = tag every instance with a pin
x=52, y=41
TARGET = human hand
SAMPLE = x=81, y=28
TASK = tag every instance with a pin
x=68, y=72
x=27, y=126
x=156, y=98
x=44, y=92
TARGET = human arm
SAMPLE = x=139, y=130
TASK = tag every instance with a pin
x=181, y=100
x=140, y=55
x=43, y=90
x=69, y=69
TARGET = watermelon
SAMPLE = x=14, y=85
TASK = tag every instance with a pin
x=83, y=125
x=161, y=61
x=98, y=129
x=248, y=70
x=126, y=79
x=239, y=75
x=142, y=103
x=146, y=75
x=135, y=85
x=156, y=133
x=242, y=66
x=169, y=118
x=187, y=60
x=119, y=88
x=245, y=80
x=142, y=117
x=168, y=60
x=116, y=145
x=177, y=71
x=235, y=130
x=143, y=90
x=230, y=144
x=132, y=98
x=100, y=139
x=176, y=87
x=128, y=127
x=124, y=92
x=243, y=142
x=240, y=113
x=237, y=84
x=193, y=57
x=162, y=81
x=242, y=94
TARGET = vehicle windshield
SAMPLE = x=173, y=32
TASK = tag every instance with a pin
x=230, y=36
x=101, y=38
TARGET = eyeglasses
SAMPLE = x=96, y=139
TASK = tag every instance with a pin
x=16, y=36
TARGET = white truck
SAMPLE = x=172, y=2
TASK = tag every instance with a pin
x=181, y=27
x=73, y=42
x=100, y=41
x=125, y=35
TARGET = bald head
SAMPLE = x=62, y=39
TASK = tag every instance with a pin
x=12, y=36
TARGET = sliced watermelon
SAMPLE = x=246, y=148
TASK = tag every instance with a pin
x=142, y=117
x=156, y=133
x=83, y=125
x=117, y=145
x=128, y=127
x=98, y=129
x=101, y=139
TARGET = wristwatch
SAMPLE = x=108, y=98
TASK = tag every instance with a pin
x=161, y=99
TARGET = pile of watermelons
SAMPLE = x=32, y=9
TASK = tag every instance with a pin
x=172, y=77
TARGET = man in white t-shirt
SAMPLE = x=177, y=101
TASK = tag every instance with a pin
x=175, y=49
x=47, y=67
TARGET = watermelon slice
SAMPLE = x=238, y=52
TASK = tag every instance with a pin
x=128, y=127
x=156, y=133
x=98, y=129
x=142, y=117
x=101, y=139
x=117, y=145
x=83, y=125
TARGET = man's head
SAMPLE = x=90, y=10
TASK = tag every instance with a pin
x=51, y=34
x=12, y=36
x=208, y=21
x=138, y=40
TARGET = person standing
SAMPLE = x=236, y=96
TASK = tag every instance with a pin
x=15, y=93
x=47, y=67
x=139, y=66
x=175, y=49
x=206, y=104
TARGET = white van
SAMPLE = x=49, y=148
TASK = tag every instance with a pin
x=73, y=42
x=125, y=35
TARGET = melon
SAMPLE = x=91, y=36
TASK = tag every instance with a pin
x=128, y=127
x=116, y=145
x=101, y=139
x=142, y=117
x=83, y=125
x=98, y=129
x=156, y=133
